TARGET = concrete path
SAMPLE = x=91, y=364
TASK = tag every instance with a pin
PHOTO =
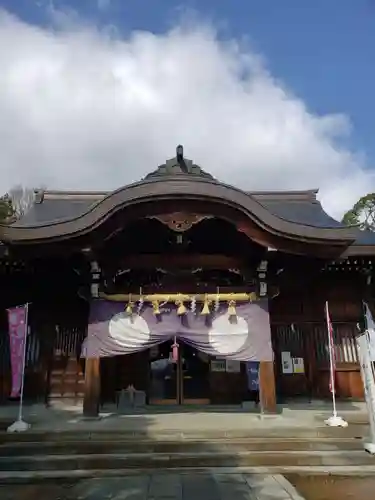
x=187, y=486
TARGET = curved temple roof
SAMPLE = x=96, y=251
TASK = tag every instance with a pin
x=300, y=207
x=295, y=213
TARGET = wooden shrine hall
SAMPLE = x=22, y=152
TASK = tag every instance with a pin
x=174, y=284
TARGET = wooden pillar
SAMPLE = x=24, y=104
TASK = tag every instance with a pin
x=267, y=391
x=267, y=386
x=92, y=388
x=91, y=400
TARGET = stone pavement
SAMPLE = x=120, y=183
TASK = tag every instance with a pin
x=162, y=486
x=153, y=420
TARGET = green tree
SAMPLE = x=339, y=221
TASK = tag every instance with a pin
x=16, y=203
x=22, y=199
x=6, y=208
x=362, y=214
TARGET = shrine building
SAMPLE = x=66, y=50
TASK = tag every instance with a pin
x=174, y=284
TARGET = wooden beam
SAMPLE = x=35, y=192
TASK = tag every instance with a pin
x=173, y=297
x=166, y=261
x=267, y=390
x=294, y=246
x=92, y=388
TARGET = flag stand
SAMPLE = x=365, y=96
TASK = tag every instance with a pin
x=370, y=448
x=334, y=420
x=20, y=425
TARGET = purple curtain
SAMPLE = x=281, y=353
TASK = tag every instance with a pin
x=112, y=332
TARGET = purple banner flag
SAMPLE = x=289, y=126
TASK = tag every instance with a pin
x=17, y=321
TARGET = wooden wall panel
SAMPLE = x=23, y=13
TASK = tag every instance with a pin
x=119, y=372
x=37, y=353
x=66, y=368
x=299, y=301
x=227, y=388
x=298, y=326
x=348, y=382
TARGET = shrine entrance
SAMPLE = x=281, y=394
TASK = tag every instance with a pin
x=181, y=379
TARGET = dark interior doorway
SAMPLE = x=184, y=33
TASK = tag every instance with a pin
x=184, y=380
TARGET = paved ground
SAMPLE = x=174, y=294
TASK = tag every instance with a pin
x=326, y=487
x=202, y=422
x=154, y=420
x=161, y=487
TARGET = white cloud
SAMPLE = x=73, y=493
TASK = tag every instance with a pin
x=79, y=109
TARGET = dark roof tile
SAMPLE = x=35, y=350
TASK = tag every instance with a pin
x=300, y=207
x=50, y=211
x=301, y=212
x=365, y=238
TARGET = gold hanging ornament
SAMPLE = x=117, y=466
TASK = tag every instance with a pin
x=232, y=308
x=206, y=307
x=181, y=309
x=129, y=307
x=155, y=308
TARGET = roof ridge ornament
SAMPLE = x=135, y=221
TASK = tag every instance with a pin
x=179, y=165
x=180, y=158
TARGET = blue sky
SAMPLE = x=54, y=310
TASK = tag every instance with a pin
x=322, y=51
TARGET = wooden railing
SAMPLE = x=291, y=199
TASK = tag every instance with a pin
x=50, y=355
x=312, y=338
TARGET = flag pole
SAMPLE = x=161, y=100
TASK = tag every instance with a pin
x=331, y=361
x=20, y=425
x=20, y=410
x=334, y=420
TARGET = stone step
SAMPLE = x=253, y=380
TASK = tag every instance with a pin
x=205, y=458
x=48, y=476
x=80, y=433
x=52, y=448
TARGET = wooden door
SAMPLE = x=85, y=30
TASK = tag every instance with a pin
x=194, y=371
x=165, y=376
x=66, y=376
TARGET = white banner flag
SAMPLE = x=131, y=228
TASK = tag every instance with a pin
x=370, y=327
x=367, y=374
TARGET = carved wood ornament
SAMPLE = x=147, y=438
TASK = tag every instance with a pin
x=180, y=222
